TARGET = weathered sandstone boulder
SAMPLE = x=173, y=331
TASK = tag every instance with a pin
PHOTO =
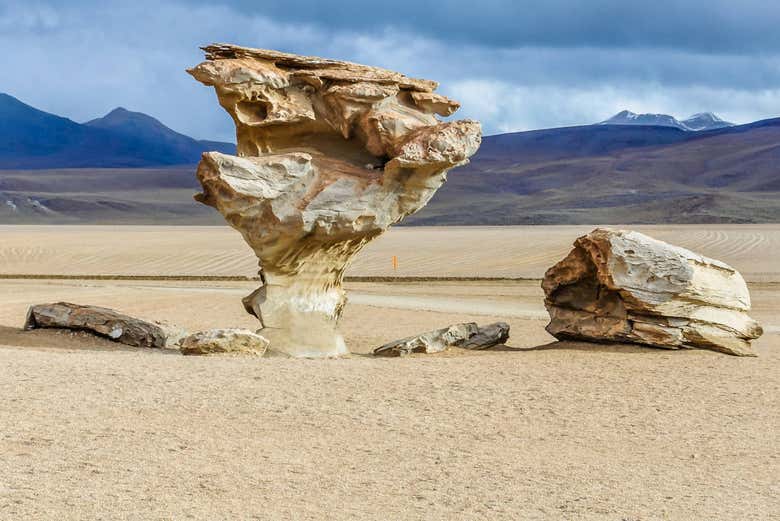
x=467, y=336
x=488, y=336
x=104, y=322
x=221, y=341
x=623, y=286
x=330, y=154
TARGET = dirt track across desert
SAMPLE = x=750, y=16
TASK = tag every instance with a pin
x=535, y=430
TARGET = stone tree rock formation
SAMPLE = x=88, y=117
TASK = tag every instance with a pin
x=623, y=286
x=330, y=154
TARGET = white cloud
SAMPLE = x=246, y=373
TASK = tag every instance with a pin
x=513, y=108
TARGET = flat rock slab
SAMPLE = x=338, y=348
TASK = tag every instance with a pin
x=623, y=286
x=224, y=341
x=466, y=335
x=104, y=322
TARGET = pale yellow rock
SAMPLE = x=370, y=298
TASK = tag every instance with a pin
x=224, y=341
x=623, y=286
x=330, y=154
x=435, y=103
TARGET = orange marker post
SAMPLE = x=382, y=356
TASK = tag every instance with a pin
x=395, y=263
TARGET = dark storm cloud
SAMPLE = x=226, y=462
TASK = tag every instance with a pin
x=695, y=25
x=514, y=65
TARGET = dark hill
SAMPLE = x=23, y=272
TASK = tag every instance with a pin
x=33, y=139
x=610, y=174
x=165, y=145
x=587, y=175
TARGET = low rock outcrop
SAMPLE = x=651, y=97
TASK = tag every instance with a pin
x=623, y=286
x=467, y=336
x=429, y=342
x=104, y=322
x=224, y=341
x=330, y=154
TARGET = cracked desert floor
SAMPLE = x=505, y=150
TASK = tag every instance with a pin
x=535, y=430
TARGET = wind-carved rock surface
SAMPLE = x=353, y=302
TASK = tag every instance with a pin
x=331, y=154
x=623, y=286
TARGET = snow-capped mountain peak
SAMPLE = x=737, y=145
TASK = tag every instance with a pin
x=705, y=121
x=695, y=123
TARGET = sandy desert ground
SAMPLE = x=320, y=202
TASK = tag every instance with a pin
x=533, y=430
x=468, y=251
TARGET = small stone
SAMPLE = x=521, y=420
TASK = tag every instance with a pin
x=222, y=341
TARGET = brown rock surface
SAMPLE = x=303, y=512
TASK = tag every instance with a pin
x=623, y=286
x=331, y=154
x=104, y=322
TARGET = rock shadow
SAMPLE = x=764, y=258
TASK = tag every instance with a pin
x=67, y=340
x=597, y=347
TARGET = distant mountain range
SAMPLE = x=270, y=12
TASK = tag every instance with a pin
x=616, y=174
x=593, y=174
x=31, y=138
x=695, y=123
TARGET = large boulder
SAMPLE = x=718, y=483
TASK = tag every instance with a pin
x=330, y=154
x=104, y=322
x=623, y=286
x=224, y=341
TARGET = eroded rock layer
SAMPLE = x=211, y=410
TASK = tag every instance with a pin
x=330, y=154
x=623, y=286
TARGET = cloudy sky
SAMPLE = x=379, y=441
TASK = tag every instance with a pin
x=514, y=64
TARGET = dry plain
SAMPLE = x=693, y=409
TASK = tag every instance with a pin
x=535, y=430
